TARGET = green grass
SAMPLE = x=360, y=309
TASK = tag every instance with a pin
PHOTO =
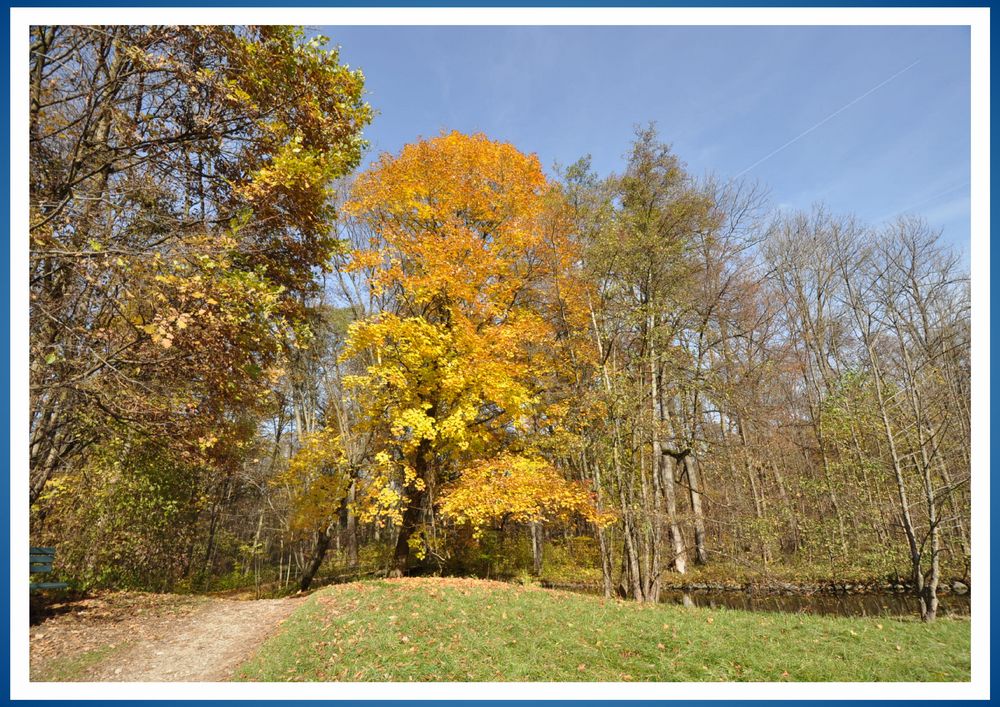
x=74, y=667
x=469, y=630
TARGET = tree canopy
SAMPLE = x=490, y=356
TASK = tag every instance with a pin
x=248, y=359
x=458, y=254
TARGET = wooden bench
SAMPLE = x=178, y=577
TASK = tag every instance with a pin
x=41, y=563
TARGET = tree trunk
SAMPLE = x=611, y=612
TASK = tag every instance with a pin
x=679, y=559
x=694, y=490
x=630, y=574
x=904, y=503
x=651, y=589
x=352, y=529
x=536, y=548
x=606, y=561
x=319, y=553
x=602, y=541
x=212, y=527
x=411, y=516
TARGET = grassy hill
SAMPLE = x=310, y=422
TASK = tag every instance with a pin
x=468, y=630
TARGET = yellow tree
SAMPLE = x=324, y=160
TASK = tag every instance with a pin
x=180, y=207
x=461, y=253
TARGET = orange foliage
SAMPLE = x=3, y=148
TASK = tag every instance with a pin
x=518, y=488
x=470, y=251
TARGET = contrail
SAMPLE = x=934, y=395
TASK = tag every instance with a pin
x=827, y=119
x=913, y=207
x=937, y=196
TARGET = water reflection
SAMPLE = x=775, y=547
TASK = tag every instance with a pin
x=823, y=604
x=829, y=604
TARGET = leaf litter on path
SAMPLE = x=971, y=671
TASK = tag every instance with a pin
x=154, y=638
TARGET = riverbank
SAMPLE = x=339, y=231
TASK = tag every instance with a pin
x=774, y=587
x=797, y=599
x=443, y=629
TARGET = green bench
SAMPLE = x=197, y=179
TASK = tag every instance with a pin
x=41, y=563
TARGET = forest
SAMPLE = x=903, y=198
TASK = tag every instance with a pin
x=257, y=362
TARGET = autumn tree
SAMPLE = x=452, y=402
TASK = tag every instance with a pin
x=179, y=205
x=179, y=192
x=458, y=251
x=326, y=446
x=247, y=361
x=909, y=312
x=638, y=246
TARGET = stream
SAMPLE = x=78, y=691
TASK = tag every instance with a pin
x=821, y=603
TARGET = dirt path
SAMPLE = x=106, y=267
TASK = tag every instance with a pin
x=208, y=646
x=161, y=640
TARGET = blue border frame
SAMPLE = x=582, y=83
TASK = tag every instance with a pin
x=5, y=310
x=505, y=3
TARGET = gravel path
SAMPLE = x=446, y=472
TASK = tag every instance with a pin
x=205, y=647
x=202, y=642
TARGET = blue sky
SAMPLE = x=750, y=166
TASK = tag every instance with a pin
x=885, y=109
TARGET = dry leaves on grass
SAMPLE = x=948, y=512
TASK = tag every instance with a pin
x=71, y=627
